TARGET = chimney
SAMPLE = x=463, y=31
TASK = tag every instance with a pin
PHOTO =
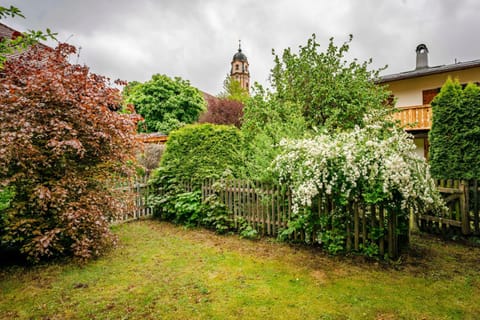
x=422, y=57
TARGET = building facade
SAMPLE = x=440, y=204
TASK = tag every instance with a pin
x=239, y=70
x=414, y=91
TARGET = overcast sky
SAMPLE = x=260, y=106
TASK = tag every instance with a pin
x=196, y=39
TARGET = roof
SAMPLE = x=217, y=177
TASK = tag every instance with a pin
x=6, y=31
x=239, y=56
x=154, y=137
x=10, y=33
x=209, y=99
x=429, y=71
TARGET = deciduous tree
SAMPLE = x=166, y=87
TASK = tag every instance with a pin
x=332, y=93
x=223, y=111
x=232, y=90
x=165, y=103
x=59, y=143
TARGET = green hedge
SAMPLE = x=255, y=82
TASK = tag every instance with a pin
x=194, y=153
x=200, y=151
x=455, y=135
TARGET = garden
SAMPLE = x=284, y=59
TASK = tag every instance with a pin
x=296, y=201
x=163, y=271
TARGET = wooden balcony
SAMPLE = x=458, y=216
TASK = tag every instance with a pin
x=415, y=118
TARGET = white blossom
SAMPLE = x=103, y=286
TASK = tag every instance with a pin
x=352, y=163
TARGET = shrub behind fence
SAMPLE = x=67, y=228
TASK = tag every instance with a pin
x=268, y=209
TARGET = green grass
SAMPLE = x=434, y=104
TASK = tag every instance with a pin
x=160, y=271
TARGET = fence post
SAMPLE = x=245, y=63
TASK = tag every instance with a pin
x=475, y=207
x=464, y=207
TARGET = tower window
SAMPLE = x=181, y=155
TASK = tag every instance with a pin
x=236, y=67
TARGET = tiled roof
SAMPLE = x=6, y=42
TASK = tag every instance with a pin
x=8, y=32
x=209, y=98
x=429, y=71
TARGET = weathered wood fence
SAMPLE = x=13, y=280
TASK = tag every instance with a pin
x=268, y=209
x=133, y=194
x=463, y=215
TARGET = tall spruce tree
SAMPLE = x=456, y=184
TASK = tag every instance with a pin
x=455, y=135
x=471, y=132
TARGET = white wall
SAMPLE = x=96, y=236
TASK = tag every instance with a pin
x=419, y=144
x=409, y=91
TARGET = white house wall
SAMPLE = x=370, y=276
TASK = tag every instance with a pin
x=408, y=92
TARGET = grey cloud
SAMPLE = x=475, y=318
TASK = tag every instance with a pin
x=196, y=39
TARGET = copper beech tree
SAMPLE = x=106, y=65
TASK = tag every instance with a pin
x=223, y=111
x=60, y=140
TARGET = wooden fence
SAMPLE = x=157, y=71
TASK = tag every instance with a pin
x=268, y=209
x=463, y=215
x=133, y=194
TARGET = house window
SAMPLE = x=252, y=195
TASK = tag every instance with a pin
x=429, y=94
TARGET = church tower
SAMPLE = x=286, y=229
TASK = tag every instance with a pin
x=239, y=70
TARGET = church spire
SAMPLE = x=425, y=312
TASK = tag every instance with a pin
x=239, y=71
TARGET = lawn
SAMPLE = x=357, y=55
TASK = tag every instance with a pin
x=161, y=271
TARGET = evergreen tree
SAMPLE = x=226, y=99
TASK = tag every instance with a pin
x=470, y=133
x=455, y=136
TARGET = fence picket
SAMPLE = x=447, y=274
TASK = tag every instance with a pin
x=476, y=218
x=268, y=209
x=133, y=194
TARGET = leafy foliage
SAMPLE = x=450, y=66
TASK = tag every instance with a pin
x=194, y=153
x=454, y=147
x=59, y=142
x=20, y=41
x=223, y=111
x=164, y=103
x=6, y=196
x=374, y=165
x=200, y=151
x=265, y=122
x=246, y=230
x=233, y=90
x=187, y=208
x=216, y=216
x=313, y=92
x=331, y=92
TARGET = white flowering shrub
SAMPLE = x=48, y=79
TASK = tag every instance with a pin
x=373, y=165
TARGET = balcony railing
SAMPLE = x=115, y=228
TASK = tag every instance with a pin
x=415, y=118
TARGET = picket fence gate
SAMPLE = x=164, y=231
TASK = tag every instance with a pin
x=133, y=194
x=463, y=215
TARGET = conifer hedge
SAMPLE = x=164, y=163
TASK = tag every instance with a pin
x=199, y=151
x=455, y=134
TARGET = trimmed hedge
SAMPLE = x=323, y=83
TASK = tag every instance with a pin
x=200, y=151
x=455, y=135
x=194, y=153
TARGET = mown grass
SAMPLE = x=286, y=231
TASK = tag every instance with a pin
x=160, y=271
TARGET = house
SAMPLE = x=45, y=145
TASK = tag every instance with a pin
x=8, y=33
x=414, y=91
